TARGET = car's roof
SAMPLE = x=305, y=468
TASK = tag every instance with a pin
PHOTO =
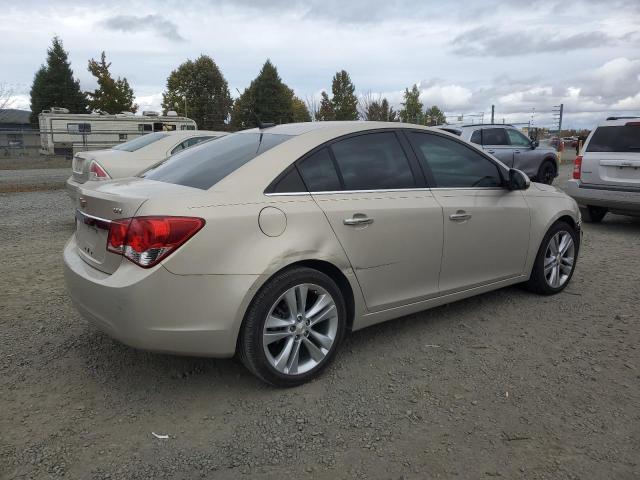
x=617, y=121
x=192, y=133
x=339, y=127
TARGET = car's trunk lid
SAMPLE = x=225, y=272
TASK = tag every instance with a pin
x=82, y=160
x=100, y=203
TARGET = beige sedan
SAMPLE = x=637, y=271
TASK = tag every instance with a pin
x=272, y=243
x=132, y=157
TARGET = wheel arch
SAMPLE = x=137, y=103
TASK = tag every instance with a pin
x=331, y=270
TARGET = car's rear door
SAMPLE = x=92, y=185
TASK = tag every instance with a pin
x=373, y=194
x=611, y=156
x=486, y=226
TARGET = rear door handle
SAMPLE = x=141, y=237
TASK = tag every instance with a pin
x=491, y=151
x=459, y=216
x=358, y=219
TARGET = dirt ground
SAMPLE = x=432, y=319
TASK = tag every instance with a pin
x=504, y=385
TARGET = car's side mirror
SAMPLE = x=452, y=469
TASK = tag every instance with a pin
x=535, y=144
x=518, y=180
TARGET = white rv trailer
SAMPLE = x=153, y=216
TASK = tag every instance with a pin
x=64, y=133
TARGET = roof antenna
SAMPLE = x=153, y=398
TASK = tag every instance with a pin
x=262, y=125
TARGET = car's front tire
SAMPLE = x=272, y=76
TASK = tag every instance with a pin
x=556, y=260
x=293, y=327
x=547, y=172
x=593, y=214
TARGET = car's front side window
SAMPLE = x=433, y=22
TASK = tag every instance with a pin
x=517, y=139
x=453, y=164
x=374, y=161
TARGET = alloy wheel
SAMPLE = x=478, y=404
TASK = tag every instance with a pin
x=300, y=329
x=559, y=259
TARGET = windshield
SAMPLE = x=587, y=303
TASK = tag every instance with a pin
x=624, y=138
x=138, y=143
x=205, y=165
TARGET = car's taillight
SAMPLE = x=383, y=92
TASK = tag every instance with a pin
x=577, y=167
x=148, y=240
x=96, y=172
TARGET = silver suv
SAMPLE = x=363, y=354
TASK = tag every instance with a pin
x=606, y=177
x=513, y=148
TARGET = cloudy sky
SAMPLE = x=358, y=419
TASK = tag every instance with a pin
x=465, y=55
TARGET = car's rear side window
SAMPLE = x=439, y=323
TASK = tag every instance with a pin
x=202, y=166
x=623, y=138
x=373, y=161
x=319, y=172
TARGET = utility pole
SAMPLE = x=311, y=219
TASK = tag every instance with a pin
x=558, y=111
x=493, y=113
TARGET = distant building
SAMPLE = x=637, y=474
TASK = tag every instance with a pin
x=16, y=133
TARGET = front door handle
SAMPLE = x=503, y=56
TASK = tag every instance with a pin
x=358, y=219
x=459, y=216
x=491, y=151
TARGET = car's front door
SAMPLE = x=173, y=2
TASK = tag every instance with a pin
x=486, y=226
x=496, y=142
x=390, y=226
x=525, y=157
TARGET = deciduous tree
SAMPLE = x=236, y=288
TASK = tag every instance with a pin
x=435, y=116
x=198, y=90
x=111, y=96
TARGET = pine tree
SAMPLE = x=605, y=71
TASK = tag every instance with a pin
x=325, y=112
x=198, y=90
x=54, y=85
x=344, y=100
x=267, y=98
x=412, y=107
x=111, y=96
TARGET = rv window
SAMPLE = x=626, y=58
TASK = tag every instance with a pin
x=79, y=127
x=122, y=137
x=145, y=127
x=137, y=143
x=187, y=127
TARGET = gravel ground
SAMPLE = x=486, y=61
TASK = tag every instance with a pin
x=35, y=179
x=507, y=384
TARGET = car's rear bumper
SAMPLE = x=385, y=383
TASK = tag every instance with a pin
x=616, y=198
x=154, y=309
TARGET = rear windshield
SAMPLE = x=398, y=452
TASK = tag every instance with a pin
x=205, y=165
x=138, y=143
x=624, y=138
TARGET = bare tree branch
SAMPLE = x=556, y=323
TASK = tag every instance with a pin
x=6, y=96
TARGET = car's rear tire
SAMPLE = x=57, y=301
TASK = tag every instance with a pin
x=556, y=260
x=593, y=214
x=547, y=172
x=293, y=327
